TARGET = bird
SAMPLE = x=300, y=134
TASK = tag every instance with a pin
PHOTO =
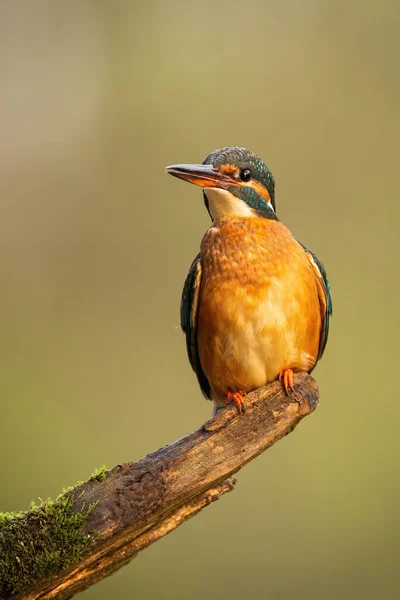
x=256, y=303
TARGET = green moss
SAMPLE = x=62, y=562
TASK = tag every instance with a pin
x=37, y=543
x=99, y=474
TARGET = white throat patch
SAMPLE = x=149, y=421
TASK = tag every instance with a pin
x=223, y=204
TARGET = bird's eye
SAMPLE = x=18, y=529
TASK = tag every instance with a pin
x=245, y=175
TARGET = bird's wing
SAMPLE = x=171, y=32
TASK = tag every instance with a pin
x=189, y=305
x=324, y=295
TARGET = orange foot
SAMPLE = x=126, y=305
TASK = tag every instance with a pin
x=237, y=398
x=287, y=376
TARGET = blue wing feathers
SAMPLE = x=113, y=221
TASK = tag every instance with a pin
x=328, y=299
x=189, y=303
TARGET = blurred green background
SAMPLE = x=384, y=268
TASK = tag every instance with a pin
x=96, y=98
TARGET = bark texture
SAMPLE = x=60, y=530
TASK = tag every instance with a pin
x=140, y=502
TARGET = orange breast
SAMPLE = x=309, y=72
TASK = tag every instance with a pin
x=259, y=310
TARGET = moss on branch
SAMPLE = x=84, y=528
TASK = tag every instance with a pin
x=44, y=540
x=60, y=548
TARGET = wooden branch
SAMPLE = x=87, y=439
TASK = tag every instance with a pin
x=138, y=503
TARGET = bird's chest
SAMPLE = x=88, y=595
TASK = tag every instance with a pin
x=245, y=265
x=250, y=303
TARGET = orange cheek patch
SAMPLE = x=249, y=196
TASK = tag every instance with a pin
x=228, y=169
x=260, y=189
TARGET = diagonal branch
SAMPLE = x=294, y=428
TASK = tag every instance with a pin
x=138, y=503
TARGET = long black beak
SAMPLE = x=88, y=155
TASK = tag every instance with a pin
x=202, y=175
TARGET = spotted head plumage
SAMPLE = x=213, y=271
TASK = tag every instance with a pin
x=246, y=165
x=235, y=182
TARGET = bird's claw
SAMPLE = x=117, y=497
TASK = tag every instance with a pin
x=287, y=376
x=237, y=398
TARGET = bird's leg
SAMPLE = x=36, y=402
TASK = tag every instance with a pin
x=287, y=376
x=237, y=398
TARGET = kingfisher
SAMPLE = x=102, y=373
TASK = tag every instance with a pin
x=256, y=303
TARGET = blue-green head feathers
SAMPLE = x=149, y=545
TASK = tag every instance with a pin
x=257, y=187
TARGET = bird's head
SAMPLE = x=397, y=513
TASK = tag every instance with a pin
x=235, y=182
